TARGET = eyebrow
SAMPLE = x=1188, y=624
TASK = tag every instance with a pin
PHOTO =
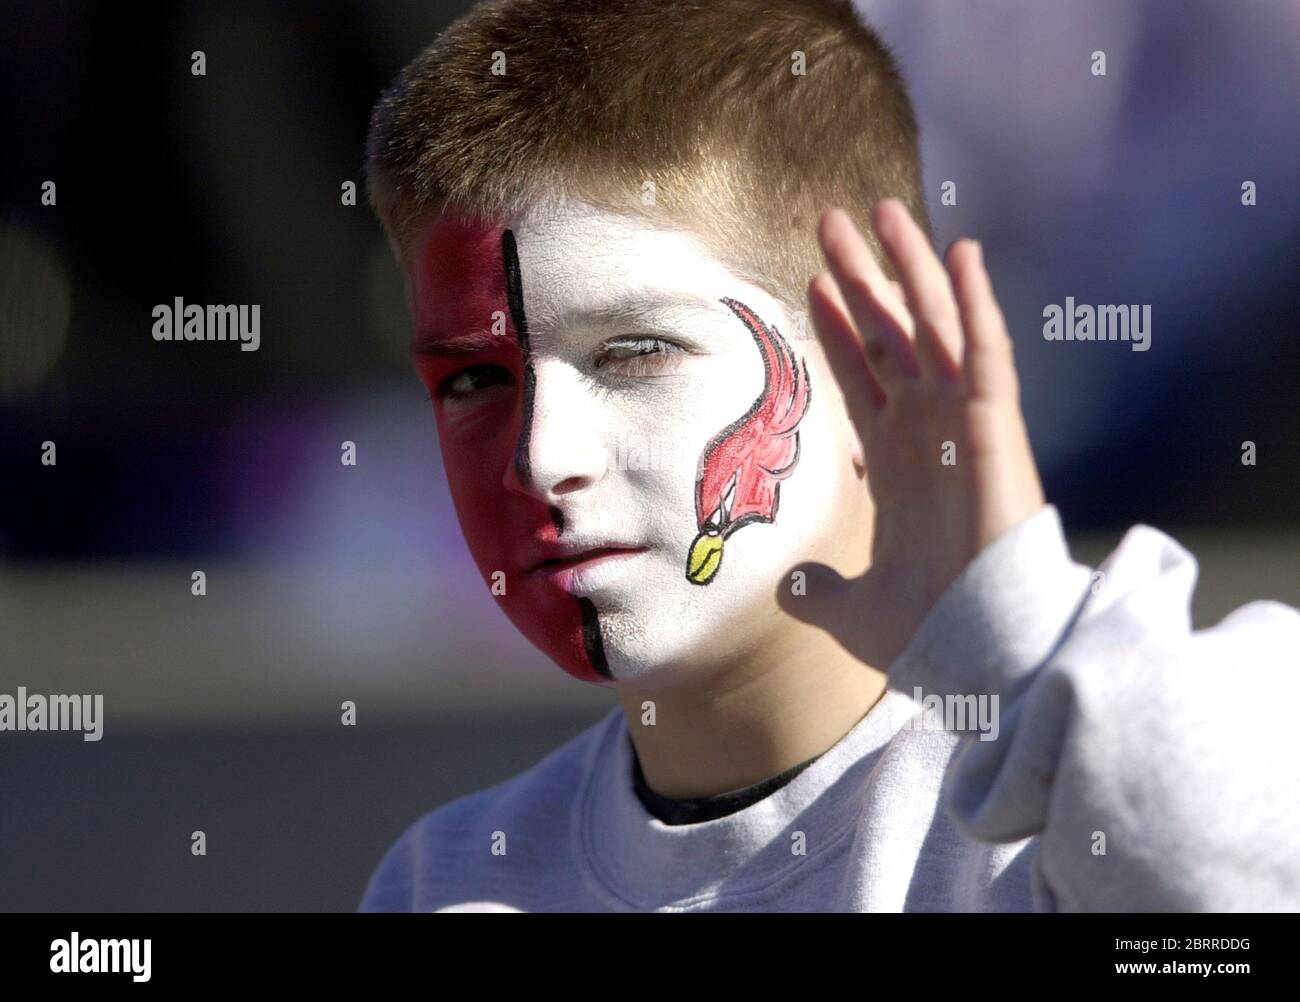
x=637, y=309
x=427, y=342
x=640, y=309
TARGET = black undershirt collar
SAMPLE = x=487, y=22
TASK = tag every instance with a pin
x=692, y=810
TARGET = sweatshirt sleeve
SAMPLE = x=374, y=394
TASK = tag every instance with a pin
x=1158, y=766
x=391, y=887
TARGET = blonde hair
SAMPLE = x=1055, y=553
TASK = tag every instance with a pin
x=521, y=100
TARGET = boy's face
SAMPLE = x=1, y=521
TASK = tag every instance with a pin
x=599, y=384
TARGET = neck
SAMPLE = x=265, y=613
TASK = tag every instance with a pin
x=786, y=703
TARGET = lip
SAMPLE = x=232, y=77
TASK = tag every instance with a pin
x=588, y=571
x=584, y=558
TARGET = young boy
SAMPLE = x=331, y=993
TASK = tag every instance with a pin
x=767, y=479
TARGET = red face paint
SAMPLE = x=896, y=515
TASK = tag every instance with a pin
x=743, y=465
x=469, y=294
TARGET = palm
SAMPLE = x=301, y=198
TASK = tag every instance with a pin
x=928, y=374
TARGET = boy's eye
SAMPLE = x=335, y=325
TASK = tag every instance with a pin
x=469, y=381
x=639, y=356
x=630, y=357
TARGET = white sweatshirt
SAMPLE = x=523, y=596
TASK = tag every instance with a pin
x=1134, y=765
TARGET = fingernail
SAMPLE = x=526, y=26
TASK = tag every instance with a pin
x=979, y=251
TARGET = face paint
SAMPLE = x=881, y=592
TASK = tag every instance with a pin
x=470, y=319
x=581, y=366
x=743, y=465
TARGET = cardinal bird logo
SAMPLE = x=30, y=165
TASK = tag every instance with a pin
x=741, y=469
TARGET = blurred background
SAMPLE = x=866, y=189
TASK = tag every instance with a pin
x=328, y=583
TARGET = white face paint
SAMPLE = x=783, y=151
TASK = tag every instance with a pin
x=638, y=365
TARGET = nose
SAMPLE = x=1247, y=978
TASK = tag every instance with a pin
x=560, y=448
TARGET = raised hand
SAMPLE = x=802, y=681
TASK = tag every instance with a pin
x=927, y=370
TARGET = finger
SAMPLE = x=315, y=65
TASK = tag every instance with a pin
x=877, y=311
x=863, y=394
x=990, y=369
x=929, y=293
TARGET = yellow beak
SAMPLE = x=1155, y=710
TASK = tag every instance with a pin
x=704, y=558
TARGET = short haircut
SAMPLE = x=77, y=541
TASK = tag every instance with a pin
x=698, y=101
